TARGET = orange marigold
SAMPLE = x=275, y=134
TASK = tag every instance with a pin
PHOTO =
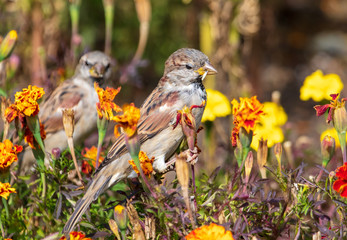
x=29, y=137
x=8, y=153
x=90, y=154
x=246, y=114
x=26, y=100
x=5, y=190
x=128, y=121
x=76, y=236
x=106, y=106
x=212, y=231
x=340, y=185
x=146, y=164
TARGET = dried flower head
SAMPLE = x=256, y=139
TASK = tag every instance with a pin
x=69, y=121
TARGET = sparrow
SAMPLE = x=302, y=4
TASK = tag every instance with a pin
x=77, y=93
x=181, y=85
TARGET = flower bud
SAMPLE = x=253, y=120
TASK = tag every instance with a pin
x=278, y=155
x=7, y=45
x=340, y=118
x=56, y=152
x=121, y=217
x=327, y=149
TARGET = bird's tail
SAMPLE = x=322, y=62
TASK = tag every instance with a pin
x=94, y=190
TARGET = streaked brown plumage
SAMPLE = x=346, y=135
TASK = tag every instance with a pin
x=77, y=93
x=180, y=85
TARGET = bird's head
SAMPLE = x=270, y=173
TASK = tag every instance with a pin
x=188, y=65
x=95, y=65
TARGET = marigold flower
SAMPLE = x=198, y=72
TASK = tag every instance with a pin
x=29, y=137
x=269, y=126
x=340, y=185
x=6, y=190
x=319, y=87
x=76, y=236
x=212, y=231
x=90, y=154
x=146, y=164
x=121, y=217
x=246, y=114
x=217, y=106
x=8, y=153
x=26, y=101
x=128, y=121
x=330, y=107
x=106, y=106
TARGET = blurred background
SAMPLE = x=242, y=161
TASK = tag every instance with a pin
x=258, y=47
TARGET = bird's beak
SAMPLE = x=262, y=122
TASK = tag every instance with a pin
x=97, y=71
x=207, y=69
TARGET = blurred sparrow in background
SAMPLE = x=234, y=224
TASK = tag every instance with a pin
x=77, y=93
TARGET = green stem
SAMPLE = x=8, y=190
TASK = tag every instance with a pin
x=4, y=201
x=102, y=127
x=2, y=229
x=44, y=185
x=109, y=14
x=122, y=232
x=342, y=139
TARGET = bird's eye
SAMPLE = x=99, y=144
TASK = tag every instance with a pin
x=189, y=66
x=88, y=63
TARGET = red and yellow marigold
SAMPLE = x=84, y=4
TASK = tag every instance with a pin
x=128, y=121
x=76, y=236
x=25, y=103
x=106, y=106
x=8, y=153
x=146, y=164
x=212, y=231
x=246, y=114
x=340, y=185
x=90, y=154
x=6, y=190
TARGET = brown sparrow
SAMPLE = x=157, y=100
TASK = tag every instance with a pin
x=181, y=85
x=77, y=93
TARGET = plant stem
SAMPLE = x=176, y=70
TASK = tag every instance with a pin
x=72, y=151
x=342, y=139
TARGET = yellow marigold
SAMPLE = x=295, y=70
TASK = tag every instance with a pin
x=273, y=135
x=8, y=153
x=269, y=126
x=146, y=164
x=210, y=232
x=90, y=154
x=128, y=121
x=217, y=106
x=246, y=114
x=6, y=190
x=319, y=87
x=106, y=106
x=76, y=236
x=29, y=137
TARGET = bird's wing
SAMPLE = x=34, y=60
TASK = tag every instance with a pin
x=67, y=95
x=156, y=115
